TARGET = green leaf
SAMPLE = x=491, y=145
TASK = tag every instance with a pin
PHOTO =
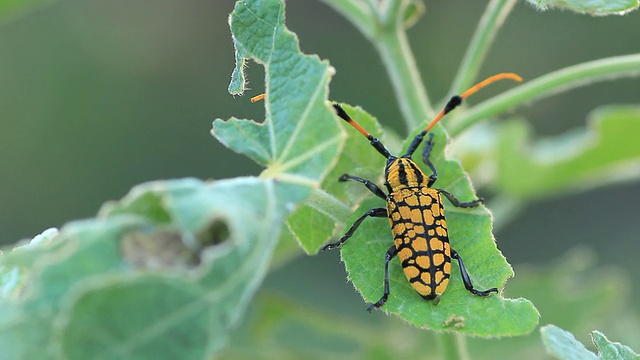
x=12, y=277
x=119, y=286
x=605, y=152
x=314, y=221
x=470, y=235
x=612, y=350
x=563, y=345
x=300, y=138
x=121, y=332
x=591, y=7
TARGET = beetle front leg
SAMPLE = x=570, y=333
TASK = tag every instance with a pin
x=426, y=153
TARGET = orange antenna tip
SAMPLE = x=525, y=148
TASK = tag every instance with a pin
x=489, y=80
x=435, y=120
x=457, y=99
x=258, y=97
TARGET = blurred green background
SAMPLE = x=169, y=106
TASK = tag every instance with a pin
x=97, y=96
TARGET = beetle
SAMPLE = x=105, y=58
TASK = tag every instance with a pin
x=415, y=212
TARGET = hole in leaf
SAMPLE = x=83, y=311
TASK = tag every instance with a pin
x=163, y=249
x=216, y=232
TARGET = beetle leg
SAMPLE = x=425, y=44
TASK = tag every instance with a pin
x=426, y=152
x=414, y=144
x=391, y=253
x=375, y=212
x=467, y=281
x=370, y=185
x=375, y=142
x=457, y=202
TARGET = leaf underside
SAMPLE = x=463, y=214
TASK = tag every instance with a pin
x=602, y=153
x=88, y=289
x=563, y=345
x=592, y=7
x=195, y=250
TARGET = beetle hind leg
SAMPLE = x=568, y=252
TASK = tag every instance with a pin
x=458, y=203
x=369, y=184
x=467, y=281
x=391, y=253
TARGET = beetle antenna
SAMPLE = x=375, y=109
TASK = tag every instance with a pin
x=457, y=99
x=258, y=97
x=373, y=140
x=344, y=116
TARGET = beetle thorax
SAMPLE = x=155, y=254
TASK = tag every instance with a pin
x=404, y=173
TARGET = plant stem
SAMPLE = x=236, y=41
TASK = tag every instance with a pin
x=493, y=17
x=333, y=208
x=453, y=346
x=384, y=27
x=547, y=85
x=393, y=47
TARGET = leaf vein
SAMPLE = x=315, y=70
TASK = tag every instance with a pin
x=303, y=119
